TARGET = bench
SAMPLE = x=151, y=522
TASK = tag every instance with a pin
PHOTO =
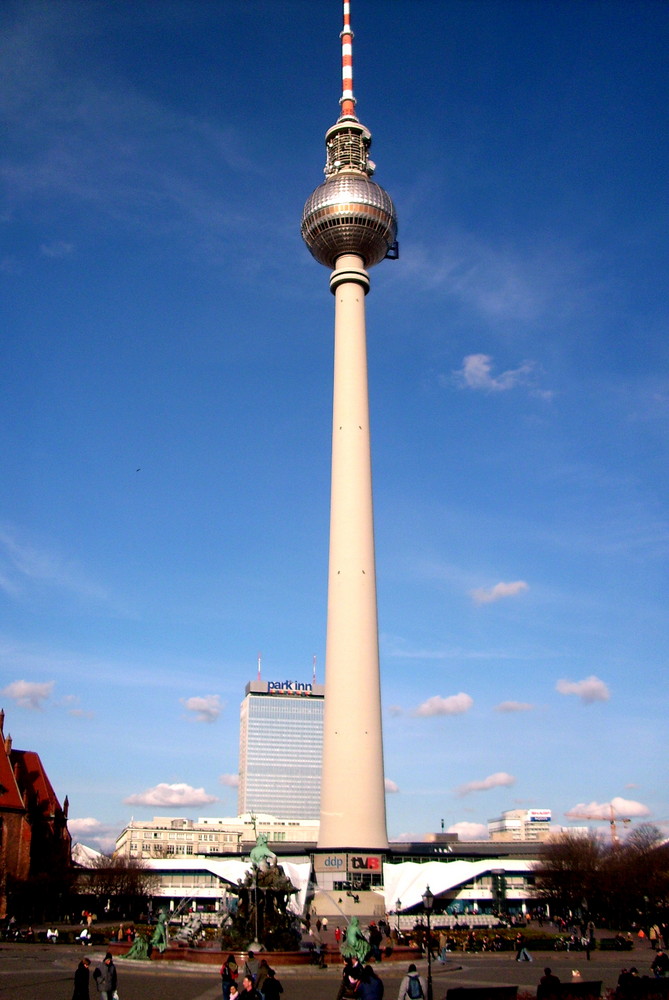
x=482, y=993
x=580, y=990
x=644, y=988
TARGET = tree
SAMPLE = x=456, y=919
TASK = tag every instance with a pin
x=120, y=884
x=636, y=876
x=618, y=883
x=568, y=875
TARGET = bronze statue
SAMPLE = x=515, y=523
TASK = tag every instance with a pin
x=140, y=949
x=159, y=938
x=191, y=931
x=355, y=943
x=261, y=856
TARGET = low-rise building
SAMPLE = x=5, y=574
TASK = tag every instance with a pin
x=170, y=837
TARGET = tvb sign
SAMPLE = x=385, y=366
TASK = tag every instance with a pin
x=364, y=863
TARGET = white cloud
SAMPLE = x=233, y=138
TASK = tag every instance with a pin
x=623, y=808
x=179, y=795
x=391, y=786
x=498, y=780
x=102, y=836
x=476, y=374
x=455, y=704
x=28, y=694
x=589, y=690
x=500, y=286
x=57, y=249
x=205, y=709
x=22, y=563
x=82, y=827
x=230, y=780
x=10, y=587
x=71, y=703
x=514, y=706
x=498, y=592
x=469, y=831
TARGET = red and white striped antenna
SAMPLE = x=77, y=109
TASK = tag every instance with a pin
x=347, y=99
x=313, y=672
x=259, y=664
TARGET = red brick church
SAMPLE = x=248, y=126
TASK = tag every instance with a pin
x=34, y=840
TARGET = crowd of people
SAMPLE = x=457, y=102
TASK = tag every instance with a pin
x=258, y=979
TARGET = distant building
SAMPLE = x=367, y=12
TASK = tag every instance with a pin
x=175, y=837
x=521, y=825
x=34, y=839
x=281, y=749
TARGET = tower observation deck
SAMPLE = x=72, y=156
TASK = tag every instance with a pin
x=349, y=224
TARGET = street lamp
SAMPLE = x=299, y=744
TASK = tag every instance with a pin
x=428, y=903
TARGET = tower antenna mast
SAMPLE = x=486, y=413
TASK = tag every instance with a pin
x=347, y=99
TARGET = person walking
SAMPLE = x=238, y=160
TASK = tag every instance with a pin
x=106, y=978
x=82, y=978
x=413, y=986
x=229, y=973
x=272, y=988
x=349, y=987
x=371, y=985
x=248, y=990
x=660, y=965
x=251, y=967
x=263, y=972
x=522, y=954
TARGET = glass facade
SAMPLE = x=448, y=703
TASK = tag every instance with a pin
x=280, y=754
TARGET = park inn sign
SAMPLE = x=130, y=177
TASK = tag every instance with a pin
x=288, y=687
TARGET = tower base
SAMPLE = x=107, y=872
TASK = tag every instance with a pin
x=339, y=907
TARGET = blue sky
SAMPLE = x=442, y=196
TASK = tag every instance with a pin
x=167, y=368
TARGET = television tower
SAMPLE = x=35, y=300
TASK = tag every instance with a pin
x=349, y=224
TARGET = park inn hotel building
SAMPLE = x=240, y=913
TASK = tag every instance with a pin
x=281, y=750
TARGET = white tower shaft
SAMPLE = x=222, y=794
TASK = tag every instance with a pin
x=353, y=812
x=349, y=224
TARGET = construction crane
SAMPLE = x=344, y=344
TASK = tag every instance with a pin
x=613, y=820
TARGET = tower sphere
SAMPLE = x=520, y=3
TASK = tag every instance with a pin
x=349, y=214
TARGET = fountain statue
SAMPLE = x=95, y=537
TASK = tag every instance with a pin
x=262, y=906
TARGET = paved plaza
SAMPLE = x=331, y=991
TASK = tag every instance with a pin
x=44, y=972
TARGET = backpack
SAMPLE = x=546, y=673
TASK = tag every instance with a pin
x=414, y=989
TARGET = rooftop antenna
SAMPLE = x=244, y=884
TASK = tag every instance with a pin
x=259, y=664
x=313, y=672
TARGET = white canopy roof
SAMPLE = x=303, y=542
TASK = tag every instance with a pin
x=232, y=871
x=408, y=881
